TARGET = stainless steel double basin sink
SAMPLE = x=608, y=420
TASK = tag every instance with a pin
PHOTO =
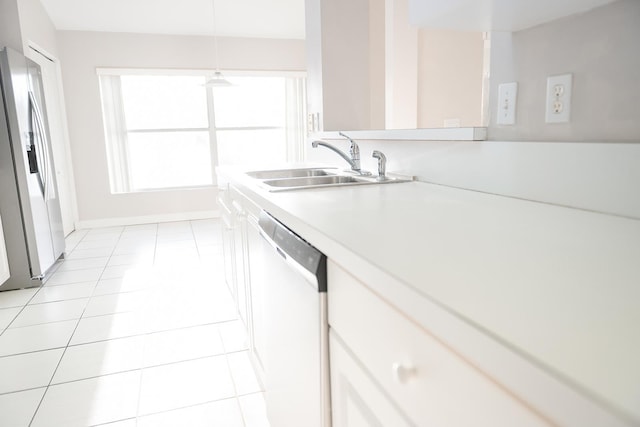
x=305, y=178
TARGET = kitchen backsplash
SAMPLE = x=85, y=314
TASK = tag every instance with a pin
x=602, y=177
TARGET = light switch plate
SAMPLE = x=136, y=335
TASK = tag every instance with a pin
x=507, y=97
x=558, y=107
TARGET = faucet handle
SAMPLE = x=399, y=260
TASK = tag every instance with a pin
x=382, y=164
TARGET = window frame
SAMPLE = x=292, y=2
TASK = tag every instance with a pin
x=117, y=146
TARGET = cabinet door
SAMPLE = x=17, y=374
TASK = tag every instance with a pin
x=256, y=296
x=240, y=258
x=4, y=264
x=427, y=381
x=355, y=399
x=227, y=244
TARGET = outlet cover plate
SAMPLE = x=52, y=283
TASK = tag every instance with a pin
x=558, y=106
x=507, y=96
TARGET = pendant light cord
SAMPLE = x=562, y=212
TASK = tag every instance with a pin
x=218, y=79
x=215, y=37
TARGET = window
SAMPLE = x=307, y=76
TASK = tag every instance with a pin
x=170, y=131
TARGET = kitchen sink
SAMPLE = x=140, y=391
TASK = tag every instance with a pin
x=311, y=181
x=292, y=173
x=306, y=178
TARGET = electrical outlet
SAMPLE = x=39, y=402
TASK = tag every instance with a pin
x=558, y=108
x=507, y=95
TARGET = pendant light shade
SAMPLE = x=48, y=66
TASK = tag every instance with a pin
x=218, y=79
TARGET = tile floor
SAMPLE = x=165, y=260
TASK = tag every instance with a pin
x=135, y=328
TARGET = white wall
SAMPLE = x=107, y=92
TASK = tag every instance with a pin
x=24, y=21
x=36, y=26
x=10, y=34
x=82, y=52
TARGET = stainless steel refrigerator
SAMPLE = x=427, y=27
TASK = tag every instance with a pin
x=29, y=204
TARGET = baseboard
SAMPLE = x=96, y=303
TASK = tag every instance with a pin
x=146, y=219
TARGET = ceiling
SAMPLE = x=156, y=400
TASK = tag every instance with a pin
x=283, y=19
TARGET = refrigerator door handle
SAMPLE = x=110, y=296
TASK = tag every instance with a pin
x=34, y=164
x=40, y=138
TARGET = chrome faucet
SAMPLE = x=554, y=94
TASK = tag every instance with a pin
x=382, y=164
x=354, y=153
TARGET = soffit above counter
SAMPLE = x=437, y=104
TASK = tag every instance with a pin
x=442, y=134
x=494, y=15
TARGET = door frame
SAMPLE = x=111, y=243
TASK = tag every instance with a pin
x=33, y=53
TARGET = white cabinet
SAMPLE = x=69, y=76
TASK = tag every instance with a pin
x=234, y=229
x=4, y=263
x=242, y=253
x=494, y=15
x=256, y=297
x=430, y=384
x=227, y=241
x=239, y=234
x=356, y=400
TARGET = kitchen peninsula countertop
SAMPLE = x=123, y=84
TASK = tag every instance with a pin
x=509, y=284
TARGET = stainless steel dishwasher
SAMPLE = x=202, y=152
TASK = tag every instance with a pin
x=288, y=279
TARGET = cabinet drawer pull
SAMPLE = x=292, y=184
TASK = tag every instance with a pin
x=402, y=373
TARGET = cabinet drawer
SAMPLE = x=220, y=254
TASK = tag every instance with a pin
x=431, y=384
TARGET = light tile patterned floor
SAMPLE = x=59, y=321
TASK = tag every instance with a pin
x=136, y=328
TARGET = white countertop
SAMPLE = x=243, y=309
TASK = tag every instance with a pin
x=558, y=286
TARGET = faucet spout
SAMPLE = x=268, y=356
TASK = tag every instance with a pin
x=355, y=166
x=354, y=153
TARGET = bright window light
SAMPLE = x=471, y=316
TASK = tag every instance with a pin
x=168, y=132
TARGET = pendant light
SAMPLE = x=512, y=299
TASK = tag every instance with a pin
x=218, y=79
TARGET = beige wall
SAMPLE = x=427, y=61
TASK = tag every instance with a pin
x=82, y=52
x=449, y=77
x=345, y=64
x=368, y=68
x=600, y=48
x=401, y=67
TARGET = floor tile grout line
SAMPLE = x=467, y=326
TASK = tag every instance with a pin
x=123, y=337
x=33, y=417
x=145, y=334
x=140, y=368
x=148, y=333
x=39, y=288
x=171, y=410
x=21, y=310
x=54, y=321
x=31, y=352
x=53, y=285
x=22, y=390
x=107, y=424
x=58, y=300
x=233, y=380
